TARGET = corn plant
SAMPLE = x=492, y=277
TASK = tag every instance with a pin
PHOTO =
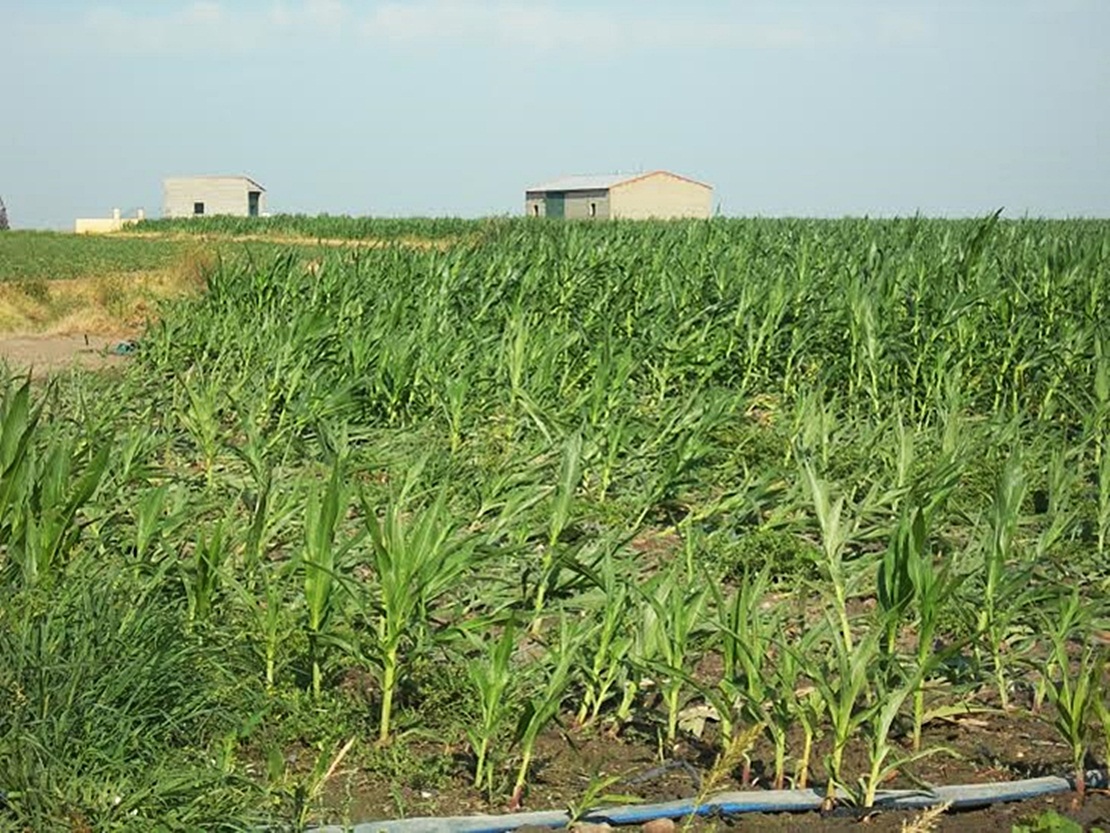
x=543, y=706
x=319, y=565
x=570, y=474
x=1102, y=713
x=203, y=575
x=491, y=678
x=877, y=722
x=843, y=680
x=607, y=646
x=266, y=583
x=998, y=607
x=745, y=637
x=835, y=534
x=418, y=556
x=810, y=707
x=676, y=608
x=1073, y=688
x=201, y=414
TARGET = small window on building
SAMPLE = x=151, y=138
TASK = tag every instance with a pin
x=593, y=209
x=198, y=208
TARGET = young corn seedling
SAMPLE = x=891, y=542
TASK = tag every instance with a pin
x=810, y=712
x=1102, y=711
x=543, y=707
x=417, y=557
x=491, y=678
x=843, y=681
x=203, y=577
x=745, y=637
x=835, y=534
x=934, y=587
x=201, y=418
x=678, y=609
x=643, y=656
x=262, y=591
x=899, y=565
x=609, y=644
x=783, y=708
x=319, y=563
x=49, y=528
x=996, y=614
x=570, y=475
x=877, y=722
x=1074, y=689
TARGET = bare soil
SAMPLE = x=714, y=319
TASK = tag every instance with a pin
x=983, y=749
x=49, y=353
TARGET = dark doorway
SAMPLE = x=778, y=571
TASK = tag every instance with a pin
x=252, y=202
x=555, y=204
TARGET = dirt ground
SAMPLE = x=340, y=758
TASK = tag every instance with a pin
x=48, y=353
x=999, y=747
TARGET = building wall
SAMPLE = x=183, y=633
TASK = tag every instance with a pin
x=534, y=205
x=576, y=205
x=220, y=195
x=662, y=196
x=106, y=225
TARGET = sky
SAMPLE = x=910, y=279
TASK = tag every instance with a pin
x=820, y=108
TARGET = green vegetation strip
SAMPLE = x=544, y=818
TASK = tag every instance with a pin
x=42, y=255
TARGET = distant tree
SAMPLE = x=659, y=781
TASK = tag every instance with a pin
x=3, y=216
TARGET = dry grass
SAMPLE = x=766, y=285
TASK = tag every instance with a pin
x=926, y=821
x=109, y=304
x=289, y=239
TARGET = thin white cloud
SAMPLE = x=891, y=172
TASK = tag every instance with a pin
x=203, y=25
x=904, y=29
x=548, y=26
x=223, y=26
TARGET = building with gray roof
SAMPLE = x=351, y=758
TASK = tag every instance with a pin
x=658, y=194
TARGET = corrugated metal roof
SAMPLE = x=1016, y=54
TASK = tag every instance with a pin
x=601, y=182
x=584, y=182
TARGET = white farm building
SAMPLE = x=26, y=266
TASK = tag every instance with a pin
x=659, y=194
x=202, y=196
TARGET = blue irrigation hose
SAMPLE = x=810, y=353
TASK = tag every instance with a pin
x=962, y=797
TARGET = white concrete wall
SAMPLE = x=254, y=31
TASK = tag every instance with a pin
x=220, y=195
x=105, y=225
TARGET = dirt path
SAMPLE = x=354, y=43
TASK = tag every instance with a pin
x=48, y=353
x=295, y=239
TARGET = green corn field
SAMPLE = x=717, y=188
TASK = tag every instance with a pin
x=362, y=527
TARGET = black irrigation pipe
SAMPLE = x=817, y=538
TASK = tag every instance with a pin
x=960, y=797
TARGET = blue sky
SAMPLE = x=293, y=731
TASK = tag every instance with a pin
x=453, y=107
